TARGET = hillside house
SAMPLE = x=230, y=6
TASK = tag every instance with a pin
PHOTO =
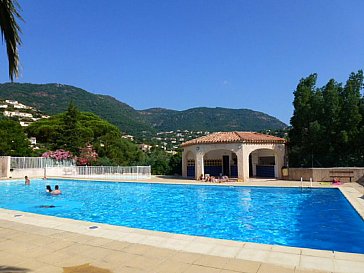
x=24, y=123
x=13, y=102
x=21, y=106
x=130, y=137
x=145, y=147
x=17, y=114
x=33, y=140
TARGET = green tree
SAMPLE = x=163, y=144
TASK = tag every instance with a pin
x=13, y=139
x=164, y=163
x=158, y=160
x=72, y=134
x=120, y=151
x=331, y=122
x=74, y=130
x=360, y=141
x=350, y=118
x=303, y=115
x=10, y=30
x=175, y=164
x=327, y=123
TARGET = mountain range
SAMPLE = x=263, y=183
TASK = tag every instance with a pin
x=55, y=98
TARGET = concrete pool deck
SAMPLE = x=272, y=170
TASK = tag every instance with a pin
x=38, y=243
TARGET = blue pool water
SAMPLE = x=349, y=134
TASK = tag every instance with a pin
x=312, y=218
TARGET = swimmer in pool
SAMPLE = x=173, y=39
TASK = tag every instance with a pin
x=48, y=189
x=27, y=180
x=56, y=191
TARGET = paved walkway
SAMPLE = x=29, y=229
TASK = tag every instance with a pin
x=26, y=248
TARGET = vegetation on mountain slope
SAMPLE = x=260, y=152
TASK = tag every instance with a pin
x=54, y=98
x=210, y=119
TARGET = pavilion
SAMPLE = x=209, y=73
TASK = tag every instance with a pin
x=234, y=154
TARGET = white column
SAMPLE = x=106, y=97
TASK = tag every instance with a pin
x=246, y=166
x=5, y=166
x=243, y=164
x=199, y=166
x=240, y=166
x=279, y=161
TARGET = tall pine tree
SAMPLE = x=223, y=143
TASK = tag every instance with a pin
x=327, y=123
x=331, y=122
x=300, y=121
x=72, y=136
x=350, y=118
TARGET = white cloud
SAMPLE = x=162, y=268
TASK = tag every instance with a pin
x=226, y=83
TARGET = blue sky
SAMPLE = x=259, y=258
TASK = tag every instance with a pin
x=189, y=53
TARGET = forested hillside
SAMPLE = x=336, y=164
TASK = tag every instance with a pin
x=204, y=119
x=54, y=98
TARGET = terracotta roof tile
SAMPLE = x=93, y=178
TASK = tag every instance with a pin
x=234, y=137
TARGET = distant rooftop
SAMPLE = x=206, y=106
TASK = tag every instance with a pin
x=234, y=137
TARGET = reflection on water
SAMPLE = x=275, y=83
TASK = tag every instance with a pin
x=283, y=216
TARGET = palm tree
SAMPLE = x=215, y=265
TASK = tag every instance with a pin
x=10, y=32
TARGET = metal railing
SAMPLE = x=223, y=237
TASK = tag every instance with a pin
x=109, y=172
x=67, y=168
x=38, y=163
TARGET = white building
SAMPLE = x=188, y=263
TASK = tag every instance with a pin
x=24, y=123
x=33, y=140
x=17, y=114
x=234, y=154
x=130, y=137
x=13, y=102
x=21, y=106
x=145, y=147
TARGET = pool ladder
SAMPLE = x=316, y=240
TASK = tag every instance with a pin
x=302, y=183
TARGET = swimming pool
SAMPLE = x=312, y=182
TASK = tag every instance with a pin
x=311, y=218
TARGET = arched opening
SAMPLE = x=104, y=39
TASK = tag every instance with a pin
x=190, y=160
x=262, y=163
x=221, y=163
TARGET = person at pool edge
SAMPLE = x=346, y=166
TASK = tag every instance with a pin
x=336, y=181
x=56, y=190
x=27, y=180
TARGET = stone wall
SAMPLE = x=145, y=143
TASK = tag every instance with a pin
x=325, y=174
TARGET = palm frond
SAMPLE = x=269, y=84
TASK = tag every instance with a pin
x=10, y=30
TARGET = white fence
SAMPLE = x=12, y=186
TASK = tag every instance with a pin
x=38, y=163
x=40, y=167
x=109, y=172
